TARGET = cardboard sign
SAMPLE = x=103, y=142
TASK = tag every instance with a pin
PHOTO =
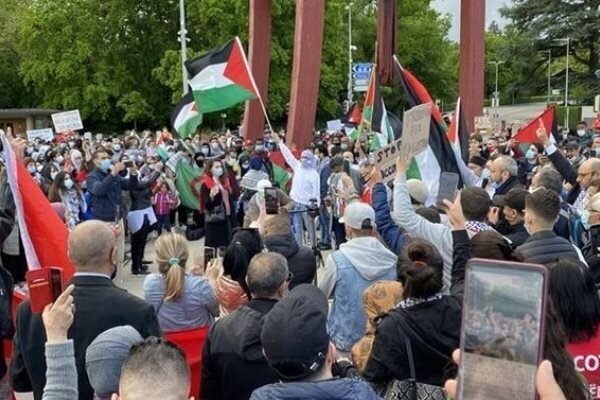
x=67, y=121
x=415, y=139
x=44, y=134
x=483, y=123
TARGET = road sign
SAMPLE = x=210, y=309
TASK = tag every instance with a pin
x=361, y=73
x=361, y=88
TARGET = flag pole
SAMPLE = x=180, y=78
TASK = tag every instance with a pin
x=262, y=104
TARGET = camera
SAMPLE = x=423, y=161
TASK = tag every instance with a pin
x=313, y=208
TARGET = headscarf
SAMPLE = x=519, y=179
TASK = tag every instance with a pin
x=311, y=162
x=74, y=155
x=255, y=163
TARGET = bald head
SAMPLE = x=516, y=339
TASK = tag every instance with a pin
x=589, y=170
x=90, y=246
x=266, y=273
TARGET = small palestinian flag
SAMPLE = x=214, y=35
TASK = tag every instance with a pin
x=221, y=78
x=458, y=134
x=185, y=118
x=353, y=116
x=374, y=118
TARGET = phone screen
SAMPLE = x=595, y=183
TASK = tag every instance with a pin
x=128, y=164
x=209, y=255
x=595, y=237
x=56, y=282
x=271, y=201
x=503, y=330
x=447, y=189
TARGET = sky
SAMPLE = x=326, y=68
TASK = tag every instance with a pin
x=452, y=7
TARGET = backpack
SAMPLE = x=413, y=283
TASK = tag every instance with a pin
x=579, y=234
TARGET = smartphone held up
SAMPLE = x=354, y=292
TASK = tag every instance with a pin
x=45, y=285
x=502, y=335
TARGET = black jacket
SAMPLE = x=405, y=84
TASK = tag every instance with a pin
x=141, y=198
x=302, y=263
x=99, y=306
x=568, y=172
x=511, y=183
x=433, y=329
x=233, y=364
x=517, y=234
x=545, y=247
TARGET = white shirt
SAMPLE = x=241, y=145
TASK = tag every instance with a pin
x=305, y=183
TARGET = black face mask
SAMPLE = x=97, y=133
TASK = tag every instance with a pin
x=200, y=163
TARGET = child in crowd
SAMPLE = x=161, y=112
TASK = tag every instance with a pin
x=163, y=202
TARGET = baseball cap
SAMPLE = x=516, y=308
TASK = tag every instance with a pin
x=514, y=199
x=417, y=190
x=104, y=358
x=356, y=215
x=294, y=333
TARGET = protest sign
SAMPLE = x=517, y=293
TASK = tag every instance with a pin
x=44, y=134
x=335, y=125
x=67, y=121
x=415, y=138
x=483, y=124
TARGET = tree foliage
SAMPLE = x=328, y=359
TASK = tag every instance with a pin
x=119, y=62
x=551, y=21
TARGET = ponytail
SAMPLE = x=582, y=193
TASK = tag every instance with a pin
x=174, y=279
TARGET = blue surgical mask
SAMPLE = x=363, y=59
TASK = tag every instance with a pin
x=485, y=174
x=105, y=165
x=530, y=155
x=218, y=172
x=68, y=183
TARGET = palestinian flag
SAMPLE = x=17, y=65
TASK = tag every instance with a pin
x=374, y=118
x=528, y=133
x=185, y=175
x=221, y=78
x=458, y=134
x=45, y=236
x=353, y=116
x=439, y=156
x=186, y=117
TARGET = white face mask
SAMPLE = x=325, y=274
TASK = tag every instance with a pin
x=580, y=132
x=60, y=159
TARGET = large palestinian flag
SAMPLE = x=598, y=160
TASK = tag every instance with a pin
x=528, y=134
x=45, y=237
x=186, y=117
x=374, y=118
x=439, y=156
x=458, y=134
x=221, y=78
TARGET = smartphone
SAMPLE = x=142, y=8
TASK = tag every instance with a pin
x=447, y=189
x=221, y=251
x=45, y=285
x=271, y=201
x=595, y=237
x=503, y=325
x=128, y=164
x=209, y=255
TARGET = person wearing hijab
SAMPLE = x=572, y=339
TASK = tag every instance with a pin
x=306, y=187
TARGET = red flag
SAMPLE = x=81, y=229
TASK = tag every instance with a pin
x=354, y=115
x=528, y=133
x=45, y=237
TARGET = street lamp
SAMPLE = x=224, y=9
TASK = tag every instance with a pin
x=568, y=40
x=183, y=39
x=549, y=74
x=350, y=49
x=496, y=94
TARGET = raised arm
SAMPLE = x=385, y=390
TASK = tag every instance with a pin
x=286, y=153
x=562, y=165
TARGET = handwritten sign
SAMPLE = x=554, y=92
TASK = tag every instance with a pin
x=483, y=124
x=415, y=139
x=67, y=121
x=334, y=125
x=44, y=134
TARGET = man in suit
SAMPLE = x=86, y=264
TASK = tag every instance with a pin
x=99, y=306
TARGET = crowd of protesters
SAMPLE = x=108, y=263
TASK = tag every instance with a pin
x=395, y=273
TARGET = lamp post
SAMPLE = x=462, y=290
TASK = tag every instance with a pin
x=568, y=40
x=549, y=74
x=350, y=47
x=496, y=94
x=183, y=39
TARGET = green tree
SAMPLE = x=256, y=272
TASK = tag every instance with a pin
x=552, y=21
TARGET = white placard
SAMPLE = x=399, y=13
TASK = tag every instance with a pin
x=67, y=121
x=44, y=134
x=415, y=139
x=335, y=125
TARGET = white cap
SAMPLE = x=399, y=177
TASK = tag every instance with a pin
x=262, y=184
x=357, y=213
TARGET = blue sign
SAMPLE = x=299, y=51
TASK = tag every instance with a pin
x=362, y=71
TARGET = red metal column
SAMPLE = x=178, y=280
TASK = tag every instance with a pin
x=306, y=72
x=472, y=58
x=259, y=58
